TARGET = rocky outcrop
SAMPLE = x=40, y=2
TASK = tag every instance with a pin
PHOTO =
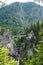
x=7, y=41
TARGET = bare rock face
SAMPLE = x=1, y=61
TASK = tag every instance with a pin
x=30, y=35
x=31, y=39
x=7, y=41
x=30, y=52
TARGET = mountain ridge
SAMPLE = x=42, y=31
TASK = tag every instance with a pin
x=18, y=15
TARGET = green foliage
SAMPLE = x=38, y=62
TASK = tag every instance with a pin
x=5, y=59
x=22, y=45
x=1, y=30
x=16, y=20
x=2, y=3
x=38, y=59
x=38, y=55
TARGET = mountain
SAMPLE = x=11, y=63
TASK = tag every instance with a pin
x=18, y=15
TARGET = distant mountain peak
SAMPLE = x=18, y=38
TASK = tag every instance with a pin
x=21, y=15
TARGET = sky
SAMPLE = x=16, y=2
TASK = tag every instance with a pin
x=11, y=1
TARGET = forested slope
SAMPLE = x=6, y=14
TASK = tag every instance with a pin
x=17, y=16
x=26, y=20
x=29, y=47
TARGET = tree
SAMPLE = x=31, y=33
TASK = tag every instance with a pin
x=2, y=4
x=5, y=59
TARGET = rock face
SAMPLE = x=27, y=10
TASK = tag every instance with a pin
x=30, y=35
x=6, y=40
x=30, y=52
x=31, y=39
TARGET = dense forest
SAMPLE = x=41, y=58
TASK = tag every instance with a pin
x=17, y=16
x=24, y=44
x=21, y=44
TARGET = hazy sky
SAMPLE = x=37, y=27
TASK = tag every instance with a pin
x=11, y=1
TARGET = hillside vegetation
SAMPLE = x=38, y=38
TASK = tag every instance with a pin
x=29, y=48
x=21, y=34
x=17, y=16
